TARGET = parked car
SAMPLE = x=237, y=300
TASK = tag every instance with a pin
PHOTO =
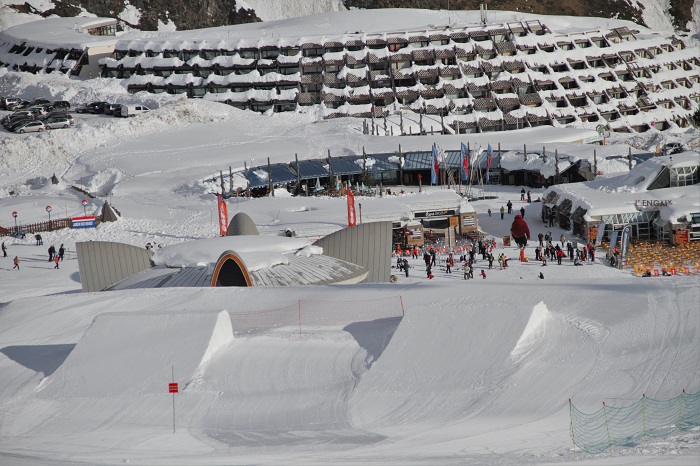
x=8, y=102
x=96, y=107
x=61, y=105
x=17, y=116
x=133, y=110
x=672, y=148
x=38, y=110
x=110, y=109
x=14, y=123
x=30, y=127
x=19, y=105
x=56, y=114
x=57, y=122
x=42, y=102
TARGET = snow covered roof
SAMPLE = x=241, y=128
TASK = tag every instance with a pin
x=65, y=33
x=626, y=193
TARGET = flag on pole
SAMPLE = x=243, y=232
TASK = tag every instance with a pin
x=464, y=162
x=351, y=209
x=435, y=166
x=223, y=214
x=489, y=152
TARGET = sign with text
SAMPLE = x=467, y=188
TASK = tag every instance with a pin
x=652, y=203
x=173, y=388
x=681, y=236
x=435, y=213
x=86, y=221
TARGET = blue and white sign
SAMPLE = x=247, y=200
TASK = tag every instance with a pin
x=87, y=221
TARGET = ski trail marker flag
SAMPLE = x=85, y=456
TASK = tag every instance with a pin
x=435, y=166
x=223, y=215
x=489, y=151
x=464, y=163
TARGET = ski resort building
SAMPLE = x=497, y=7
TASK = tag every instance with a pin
x=72, y=46
x=659, y=198
x=476, y=78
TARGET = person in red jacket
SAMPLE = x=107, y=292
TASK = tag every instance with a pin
x=520, y=231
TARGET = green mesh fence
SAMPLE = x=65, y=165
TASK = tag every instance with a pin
x=631, y=425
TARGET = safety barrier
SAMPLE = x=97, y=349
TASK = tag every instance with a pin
x=317, y=313
x=628, y=425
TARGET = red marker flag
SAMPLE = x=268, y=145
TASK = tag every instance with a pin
x=223, y=215
x=351, y=209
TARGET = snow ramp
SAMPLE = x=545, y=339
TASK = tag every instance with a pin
x=126, y=352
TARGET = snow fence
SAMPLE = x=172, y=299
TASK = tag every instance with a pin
x=630, y=425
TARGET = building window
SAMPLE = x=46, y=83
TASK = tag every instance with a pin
x=684, y=176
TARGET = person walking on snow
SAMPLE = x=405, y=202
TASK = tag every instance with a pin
x=540, y=237
x=522, y=194
x=529, y=196
x=56, y=260
x=502, y=212
x=4, y=250
x=522, y=211
x=510, y=207
x=448, y=266
x=16, y=262
x=562, y=239
x=61, y=251
x=52, y=252
x=489, y=212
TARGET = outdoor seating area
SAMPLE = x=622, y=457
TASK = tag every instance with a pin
x=658, y=258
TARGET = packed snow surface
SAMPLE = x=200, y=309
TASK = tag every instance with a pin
x=475, y=372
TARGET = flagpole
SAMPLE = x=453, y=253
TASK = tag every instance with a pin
x=469, y=175
x=461, y=164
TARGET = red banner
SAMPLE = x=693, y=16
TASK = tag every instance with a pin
x=223, y=215
x=351, y=209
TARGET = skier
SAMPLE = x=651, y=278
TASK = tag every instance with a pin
x=522, y=194
x=16, y=262
x=38, y=239
x=52, y=252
